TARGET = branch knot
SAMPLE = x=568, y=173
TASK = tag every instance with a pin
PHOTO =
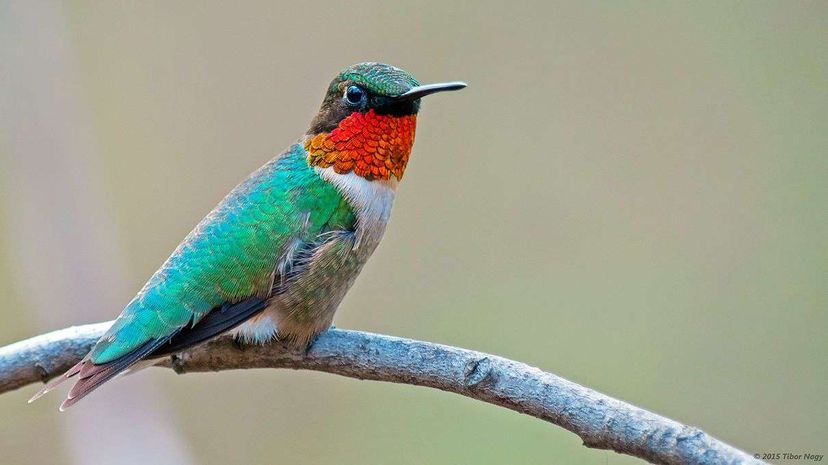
x=476, y=371
x=178, y=364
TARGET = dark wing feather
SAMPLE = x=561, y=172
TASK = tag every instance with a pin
x=214, y=323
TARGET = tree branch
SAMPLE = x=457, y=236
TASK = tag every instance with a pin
x=601, y=421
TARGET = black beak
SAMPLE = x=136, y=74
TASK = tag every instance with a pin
x=421, y=91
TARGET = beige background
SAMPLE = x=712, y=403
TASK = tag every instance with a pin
x=631, y=195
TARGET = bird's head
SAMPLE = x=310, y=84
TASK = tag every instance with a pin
x=367, y=121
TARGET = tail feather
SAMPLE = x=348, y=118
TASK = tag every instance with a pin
x=51, y=385
x=91, y=376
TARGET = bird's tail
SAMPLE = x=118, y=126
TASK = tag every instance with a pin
x=90, y=376
x=51, y=385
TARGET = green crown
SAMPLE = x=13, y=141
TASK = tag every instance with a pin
x=377, y=78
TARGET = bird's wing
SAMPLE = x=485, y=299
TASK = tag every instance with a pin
x=221, y=274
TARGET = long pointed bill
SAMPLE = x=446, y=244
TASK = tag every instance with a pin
x=421, y=91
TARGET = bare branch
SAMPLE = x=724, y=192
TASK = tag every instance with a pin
x=601, y=421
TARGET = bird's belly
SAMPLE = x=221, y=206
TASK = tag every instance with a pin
x=306, y=304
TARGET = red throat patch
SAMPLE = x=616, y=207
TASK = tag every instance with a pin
x=371, y=145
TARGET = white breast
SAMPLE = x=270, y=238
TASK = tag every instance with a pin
x=371, y=200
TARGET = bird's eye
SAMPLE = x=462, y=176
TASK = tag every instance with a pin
x=354, y=95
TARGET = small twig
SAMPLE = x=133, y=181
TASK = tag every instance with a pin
x=601, y=421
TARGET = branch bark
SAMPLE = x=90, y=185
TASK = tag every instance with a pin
x=601, y=421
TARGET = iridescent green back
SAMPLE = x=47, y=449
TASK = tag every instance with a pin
x=231, y=255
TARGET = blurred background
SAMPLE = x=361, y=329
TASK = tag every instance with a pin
x=630, y=195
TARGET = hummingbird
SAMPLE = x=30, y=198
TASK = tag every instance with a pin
x=274, y=259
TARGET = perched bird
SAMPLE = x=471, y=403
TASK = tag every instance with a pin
x=275, y=257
